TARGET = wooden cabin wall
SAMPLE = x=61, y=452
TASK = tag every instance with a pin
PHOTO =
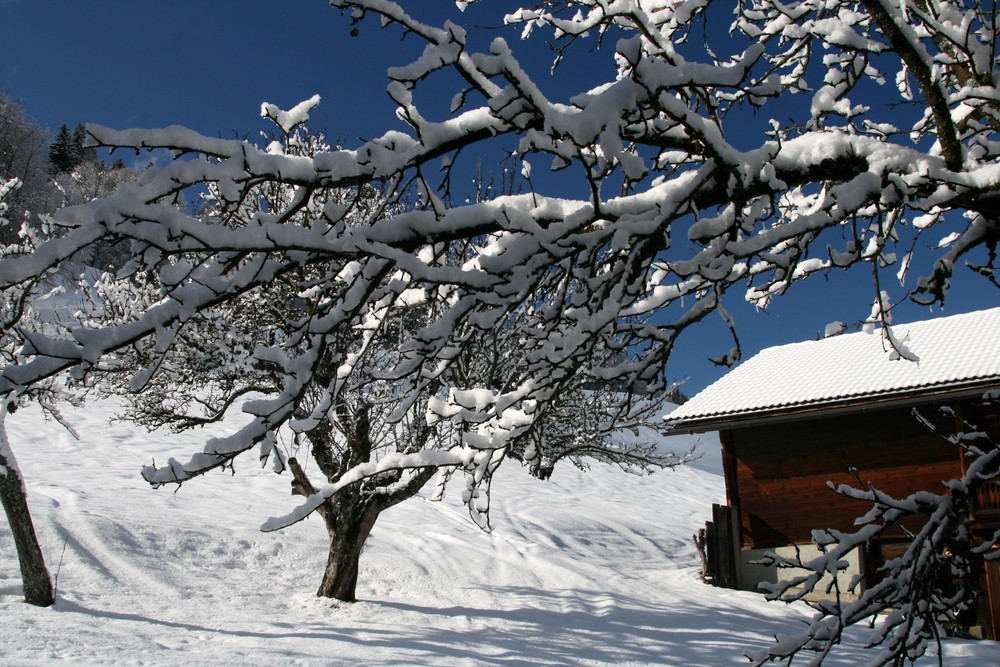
x=782, y=470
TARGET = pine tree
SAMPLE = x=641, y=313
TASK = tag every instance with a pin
x=83, y=153
x=63, y=155
x=68, y=151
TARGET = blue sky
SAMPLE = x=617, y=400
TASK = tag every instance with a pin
x=209, y=64
x=205, y=65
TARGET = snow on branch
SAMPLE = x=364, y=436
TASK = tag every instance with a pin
x=918, y=596
x=289, y=120
x=688, y=189
x=476, y=462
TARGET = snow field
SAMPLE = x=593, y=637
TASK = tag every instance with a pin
x=593, y=568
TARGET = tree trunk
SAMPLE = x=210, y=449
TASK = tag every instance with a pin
x=34, y=575
x=349, y=517
x=348, y=529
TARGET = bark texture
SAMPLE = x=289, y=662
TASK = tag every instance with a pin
x=348, y=531
x=34, y=575
x=349, y=517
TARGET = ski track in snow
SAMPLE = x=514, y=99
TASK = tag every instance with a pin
x=593, y=568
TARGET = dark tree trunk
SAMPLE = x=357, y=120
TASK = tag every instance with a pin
x=34, y=575
x=349, y=517
x=348, y=529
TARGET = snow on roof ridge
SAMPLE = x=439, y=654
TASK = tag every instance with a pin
x=953, y=351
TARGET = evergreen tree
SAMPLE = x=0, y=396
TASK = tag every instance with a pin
x=62, y=154
x=68, y=152
x=84, y=153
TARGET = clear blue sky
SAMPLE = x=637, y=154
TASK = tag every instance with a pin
x=209, y=64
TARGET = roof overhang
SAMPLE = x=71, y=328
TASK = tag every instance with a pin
x=843, y=406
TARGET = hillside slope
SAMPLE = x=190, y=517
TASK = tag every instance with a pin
x=591, y=568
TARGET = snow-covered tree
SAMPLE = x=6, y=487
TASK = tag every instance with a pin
x=811, y=137
x=88, y=180
x=36, y=583
x=23, y=155
x=15, y=317
x=213, y=364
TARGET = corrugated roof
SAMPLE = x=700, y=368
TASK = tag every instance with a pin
x=954, y=353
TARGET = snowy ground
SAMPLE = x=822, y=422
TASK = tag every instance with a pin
x=584, y=569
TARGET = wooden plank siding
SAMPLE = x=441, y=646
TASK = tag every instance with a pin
x=986, y=510
x=781, y=470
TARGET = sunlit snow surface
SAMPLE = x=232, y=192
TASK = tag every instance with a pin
x=584, y=569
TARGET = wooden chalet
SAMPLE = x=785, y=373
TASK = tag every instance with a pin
x=840, y=410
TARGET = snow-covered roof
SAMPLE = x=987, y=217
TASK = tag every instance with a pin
x=955, y=355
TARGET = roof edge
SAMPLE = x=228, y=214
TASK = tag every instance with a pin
x=829, y=408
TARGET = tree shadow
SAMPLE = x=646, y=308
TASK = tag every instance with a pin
x=592, y=627
x=327, y=632
x=530, y=627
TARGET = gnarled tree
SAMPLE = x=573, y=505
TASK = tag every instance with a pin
x=216, y=362
x=16, y=317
